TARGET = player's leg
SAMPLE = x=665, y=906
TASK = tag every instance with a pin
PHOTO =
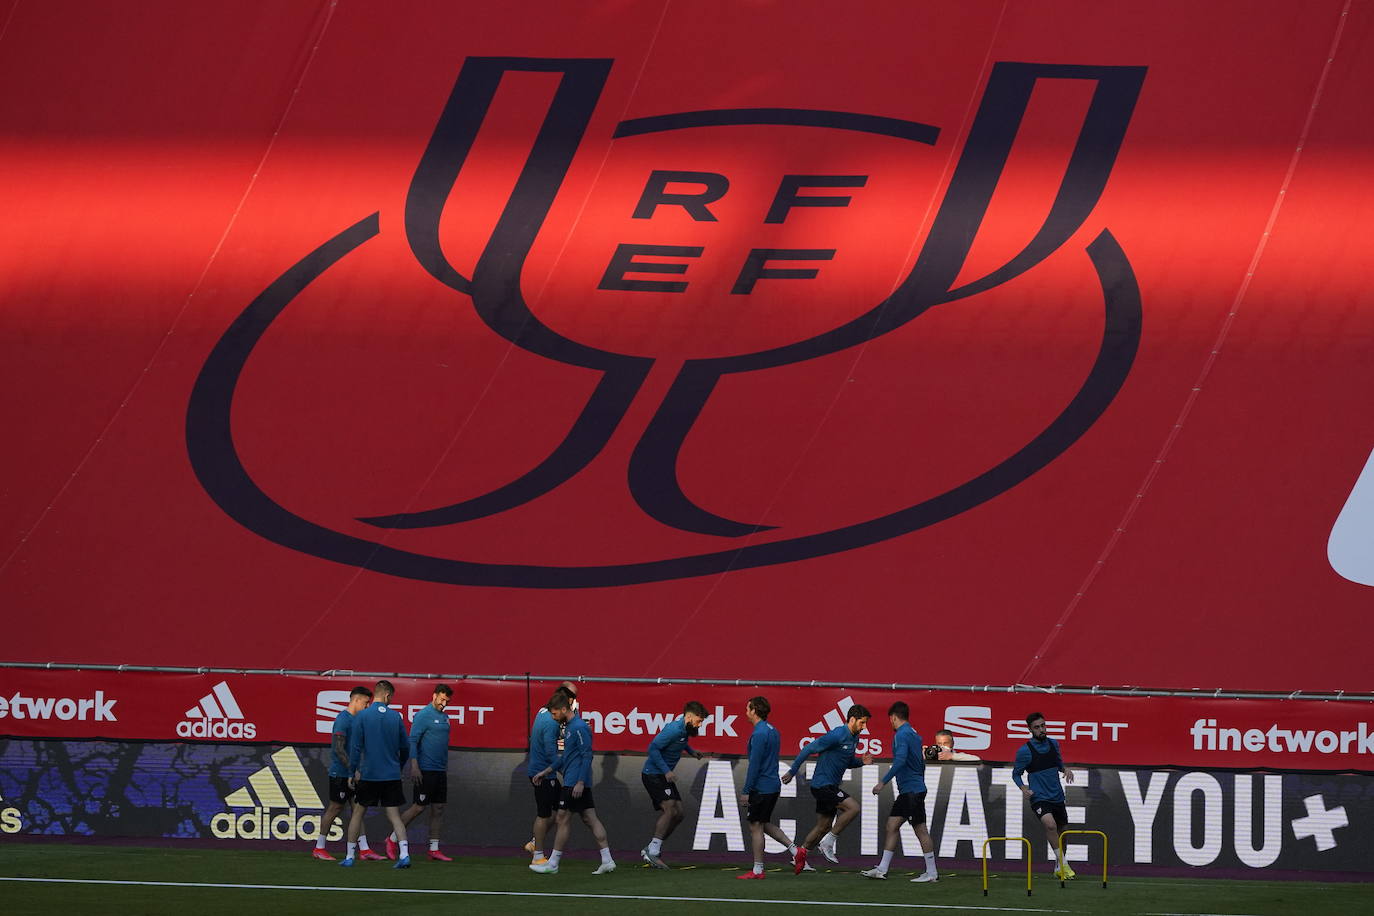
x=560, y=839
x=891, y=835
x=667, y=802
x=355, y=829
x=393, y=840
x=331, y=812
x=928, y=853
x=603, y=844
x=1055, y=819
x=848, y=810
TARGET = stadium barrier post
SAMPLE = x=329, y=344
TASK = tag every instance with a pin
x=1064, y=833
x=1007, y=839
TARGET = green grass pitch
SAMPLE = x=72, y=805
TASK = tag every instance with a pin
x=294, y=883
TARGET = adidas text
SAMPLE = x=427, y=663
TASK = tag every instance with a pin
x=262, y=824
x=217, y=728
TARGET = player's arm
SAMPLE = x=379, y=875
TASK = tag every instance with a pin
x=417, y=734
x=1063, y=767
x=656, y=746
x=355, y=749
x=340, y=749
x=584, y=766
x=901, y=747
x=548, y=737
x=757, y=750
x=1019, y=767
x=815, y=747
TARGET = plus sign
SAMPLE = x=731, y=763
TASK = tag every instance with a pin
x=1321, y=822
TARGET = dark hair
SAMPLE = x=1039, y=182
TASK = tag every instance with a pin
x=1033, y=716
x=360, y=691
x=385, y=687
x=559, y=700
x=944, y=731
x=760, y=706
x=695, y=709
x=898, y=709
x=859, y=712
x=445, y=689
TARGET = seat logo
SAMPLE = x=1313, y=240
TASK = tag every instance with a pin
x=493, y=292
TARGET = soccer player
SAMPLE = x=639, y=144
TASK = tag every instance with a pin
x=376, y=750
x=665, y=751
x=1040, y=758
x=909, y=770
x=340, y=792
x=545, y=761
x=761, y=784
x=834, y=807
x=428, y=770
x=576, y=795
x=544, y=810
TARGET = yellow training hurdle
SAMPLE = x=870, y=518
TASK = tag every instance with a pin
x=1064, y=833
x=1007, y=839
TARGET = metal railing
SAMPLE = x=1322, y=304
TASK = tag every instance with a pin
x=1197, y=693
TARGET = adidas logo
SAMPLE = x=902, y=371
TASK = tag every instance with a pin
x=832, y=720
x=211, y=717
x=10, y=819
x=274, y=796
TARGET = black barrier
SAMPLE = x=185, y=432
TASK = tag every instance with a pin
x=1173, y=818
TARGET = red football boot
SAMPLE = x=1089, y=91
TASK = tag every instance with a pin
x=321, y=854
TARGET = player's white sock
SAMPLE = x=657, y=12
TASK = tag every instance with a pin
x=433, y=845
x=930, y=863
x=393, y=838
x=606, y=855
x=319, y=844
x=555, y=856
x=362, y=844
x=886, y=862
x=655, y=846
x=831, y=838
x=352, y=850
x=758, y=868
x=405, y=848
x=792, y=850
x=1059, y=857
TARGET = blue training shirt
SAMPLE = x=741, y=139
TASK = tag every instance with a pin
x=762, y=776
x=1041, y=759
x=577, y=753
x=908, y=761
x=667, y=747
x=378, y=745
x=343, y=725
x=544, y=744
x=429, y=739
x=835, y=754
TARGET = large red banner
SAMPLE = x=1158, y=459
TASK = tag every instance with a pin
x=777, y=340
x=492, y=714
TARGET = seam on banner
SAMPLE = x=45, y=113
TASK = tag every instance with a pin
x=1208, y=363
x=902, y=271
x=186, y=304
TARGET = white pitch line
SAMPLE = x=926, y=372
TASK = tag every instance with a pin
x=422, y=890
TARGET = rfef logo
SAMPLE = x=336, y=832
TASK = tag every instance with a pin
x=654, y=191
x=217, y=715
x=270, y=805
